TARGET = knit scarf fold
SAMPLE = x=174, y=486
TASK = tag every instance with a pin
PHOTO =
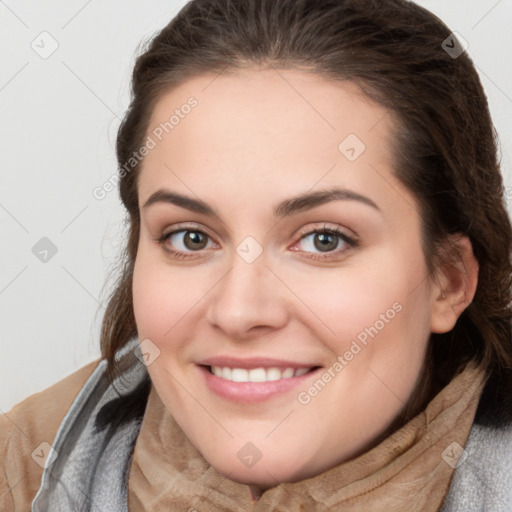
x=409, y=471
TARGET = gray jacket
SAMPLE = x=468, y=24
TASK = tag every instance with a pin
x=88, y=470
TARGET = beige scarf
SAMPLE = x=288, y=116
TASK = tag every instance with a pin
x=409, y=471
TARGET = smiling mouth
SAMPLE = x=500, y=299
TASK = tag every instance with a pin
x=258, y=374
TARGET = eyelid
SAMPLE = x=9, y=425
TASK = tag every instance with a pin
x=176, y=228
x=325, y=226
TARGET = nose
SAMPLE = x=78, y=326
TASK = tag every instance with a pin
x=248, y=301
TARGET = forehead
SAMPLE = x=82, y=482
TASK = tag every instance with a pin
x=260, y=127
x=290, y=104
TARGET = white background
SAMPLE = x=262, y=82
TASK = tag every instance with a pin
x=59, y=118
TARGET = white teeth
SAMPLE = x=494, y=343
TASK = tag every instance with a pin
x=239, y=375
x=257, y=374
x=287, y=373
x=273, y=374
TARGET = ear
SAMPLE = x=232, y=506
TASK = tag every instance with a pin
x=454, y=285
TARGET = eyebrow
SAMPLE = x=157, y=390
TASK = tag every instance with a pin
x=286, y=208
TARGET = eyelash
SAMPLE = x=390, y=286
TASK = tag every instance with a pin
x=352, y=243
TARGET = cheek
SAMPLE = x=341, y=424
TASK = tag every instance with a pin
x=169, y=300
x=161, y=298
x=347, y=301
x=377, y=313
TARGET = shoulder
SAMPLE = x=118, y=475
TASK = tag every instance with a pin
x=483, y=478
x=26, y=433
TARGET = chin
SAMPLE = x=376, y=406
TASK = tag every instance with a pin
x=261, y=478
x=263, y=473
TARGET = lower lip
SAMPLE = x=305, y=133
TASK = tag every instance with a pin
x=251, y=392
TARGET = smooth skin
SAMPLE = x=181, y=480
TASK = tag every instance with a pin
x=256, y=138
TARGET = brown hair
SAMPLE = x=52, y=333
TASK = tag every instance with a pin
x=445, y=147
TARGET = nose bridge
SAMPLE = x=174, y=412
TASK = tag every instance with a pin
x=247, y=297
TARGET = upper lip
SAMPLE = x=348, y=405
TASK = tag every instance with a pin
x=254, y=362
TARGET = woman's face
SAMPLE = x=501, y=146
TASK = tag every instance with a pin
x=289, y=264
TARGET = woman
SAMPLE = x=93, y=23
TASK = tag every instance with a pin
x=314, y=308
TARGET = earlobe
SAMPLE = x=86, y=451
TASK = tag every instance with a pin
x=454, y=285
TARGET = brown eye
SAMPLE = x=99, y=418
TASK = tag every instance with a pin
x=187, y=240
x=325, y=241
x=195, y=240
